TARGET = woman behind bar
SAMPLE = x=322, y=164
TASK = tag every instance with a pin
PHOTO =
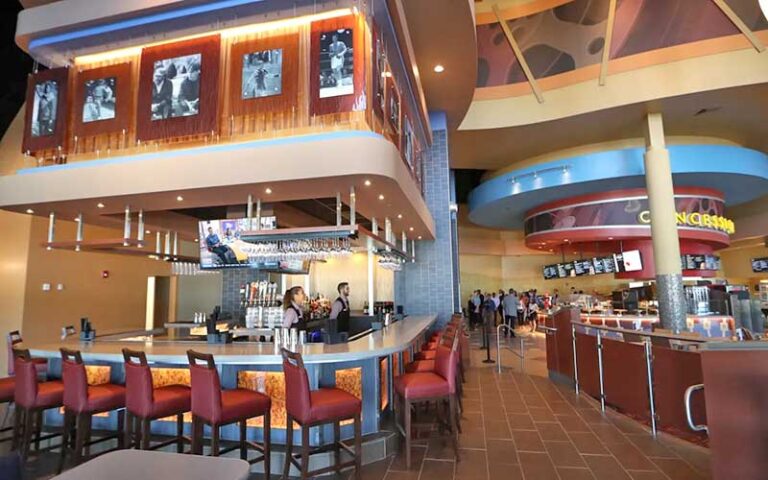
x=293, y=316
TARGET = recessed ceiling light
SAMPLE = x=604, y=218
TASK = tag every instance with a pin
x=610, y=238
x=179, y=198
x=439, y=68
x=411, y=229
x=147, y=232
x=381, y=196
x=268, y=191
x=399, y=215
x=367, y=183
x=195, y=240
x=418, y=238
x=30, y=211
x=99, y=205
x=566, y=240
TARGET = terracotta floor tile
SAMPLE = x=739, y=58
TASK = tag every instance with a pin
x=608, y=434
x=650, y=446
x=440, y=449
x=498, y=430
x=537, y=466
x=564, y=454
x=630, y=457
x=572, y=423
x=541, y=414
x=574, y=473
x=472, y=406
x=551, y=431
x=501, y=452
x=473, y=465
x=503, y=472
x=528, y=441
x=638, y=475
x=561, y=408
x=677, y=469
x=520, y=421
x=437, y=470
x=417, y=456
x=587, y=443
x=402, y=475
x=474, y=438
x=605, y=467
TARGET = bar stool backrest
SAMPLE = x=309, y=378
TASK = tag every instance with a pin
x=206, y=386
x=297, y=393
x=26, y=378
x=75, y=380
x=446, y=363
x=138, y=383
x=12, y=339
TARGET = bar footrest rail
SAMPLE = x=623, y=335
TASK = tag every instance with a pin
x=520, y=354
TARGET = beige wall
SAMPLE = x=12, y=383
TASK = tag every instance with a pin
x=197, y=293
x=114, y=303
x=13, y=275
x=738, y=267
x=11, y=158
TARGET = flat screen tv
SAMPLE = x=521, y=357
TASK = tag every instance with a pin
x=221, y=246
x=760, y=265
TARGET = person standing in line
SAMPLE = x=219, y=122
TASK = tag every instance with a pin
x=524, y=301
x=509, y=307
x=496, y=302
x=501, y=305
x=476, y=303
x=488, y=317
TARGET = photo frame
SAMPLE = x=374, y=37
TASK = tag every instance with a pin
x=179, y=89
x=45, y=121
x=379, y=70
x=393, y=112
x=253, y=67
x=337, y=88
x=103, y=100
x=407, y=142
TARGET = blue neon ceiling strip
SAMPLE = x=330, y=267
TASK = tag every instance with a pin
x=138, y=21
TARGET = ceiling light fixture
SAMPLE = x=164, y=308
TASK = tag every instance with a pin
x=179, y=198
x=439, y=68
x=147, y=232
x=381, y=196
x=367, y=183
x=410, y=229
x=418, y=238
x=400, y=216
x=268, y=191
x=30, y=211
x=99, y=205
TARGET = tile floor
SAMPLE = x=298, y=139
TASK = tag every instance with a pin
x=522, y=426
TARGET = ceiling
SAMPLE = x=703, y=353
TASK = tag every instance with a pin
x=445, y=36
x=734, y=114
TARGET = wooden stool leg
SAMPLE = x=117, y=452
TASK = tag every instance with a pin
x=337, y=445
x=29, y=419
x=128, y=441
x=65, y=434
x=288, y=446
x=196, y=436
x=18, y=427
x=180, y=433
x=38, y=428
x=407, y=429
x=304, y=452
x=243, y=448
x=87, y=444
x=121, y=428
x=358, y=447
x=267, y=444
x=145, y=433
x=214, y=440
x=454, y=431
x=80, y=432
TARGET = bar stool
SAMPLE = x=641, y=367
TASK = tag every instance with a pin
x=32, y=399
x=13, y=339
x=317, y=407
x=144, y=403
x=216, y=407
x=437, y=386
x=81, y=402
x=7, y=389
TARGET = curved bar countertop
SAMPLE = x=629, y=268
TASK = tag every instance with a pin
x=394, y=338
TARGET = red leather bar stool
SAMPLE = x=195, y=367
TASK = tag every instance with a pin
x=310, y=408
x=13, y=341
x=144, y=403
x=7, y=389
x=216, y=407
x=427, y=387
x=81, y=402
x=32, y=399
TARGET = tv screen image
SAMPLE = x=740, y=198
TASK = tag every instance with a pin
x=221, y=245
x=760, y=264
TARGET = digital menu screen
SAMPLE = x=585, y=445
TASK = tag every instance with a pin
x=760, y=264
x=550, y=272
x=700, y=262
x=583, y=267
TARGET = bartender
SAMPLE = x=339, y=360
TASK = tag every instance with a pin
x=340, y=307
x=293, y=315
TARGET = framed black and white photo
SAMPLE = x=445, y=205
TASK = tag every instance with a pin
x=380, y=73
x=393, y=108
x=262, y=74
x=408, y=141
x=176, y=87
x=336, y=63
x=99, y=99
x=44, y=108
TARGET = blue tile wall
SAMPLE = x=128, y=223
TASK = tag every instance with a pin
x=230, y=287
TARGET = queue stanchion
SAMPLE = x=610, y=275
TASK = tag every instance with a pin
x=487, y=340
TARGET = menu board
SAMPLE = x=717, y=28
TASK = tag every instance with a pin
x=700, y=262
x=760, y=264
x=565, y=270
x=550, y=272
x=583, y=267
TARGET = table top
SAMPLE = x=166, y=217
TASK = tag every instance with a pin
x=394, y=338
x=140, y=464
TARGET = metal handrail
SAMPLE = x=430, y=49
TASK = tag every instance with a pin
x=521, y=355
x=644, y=333
x=546, y=330
x=688, y=413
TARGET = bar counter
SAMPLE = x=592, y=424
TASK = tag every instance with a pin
x=364, y=367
